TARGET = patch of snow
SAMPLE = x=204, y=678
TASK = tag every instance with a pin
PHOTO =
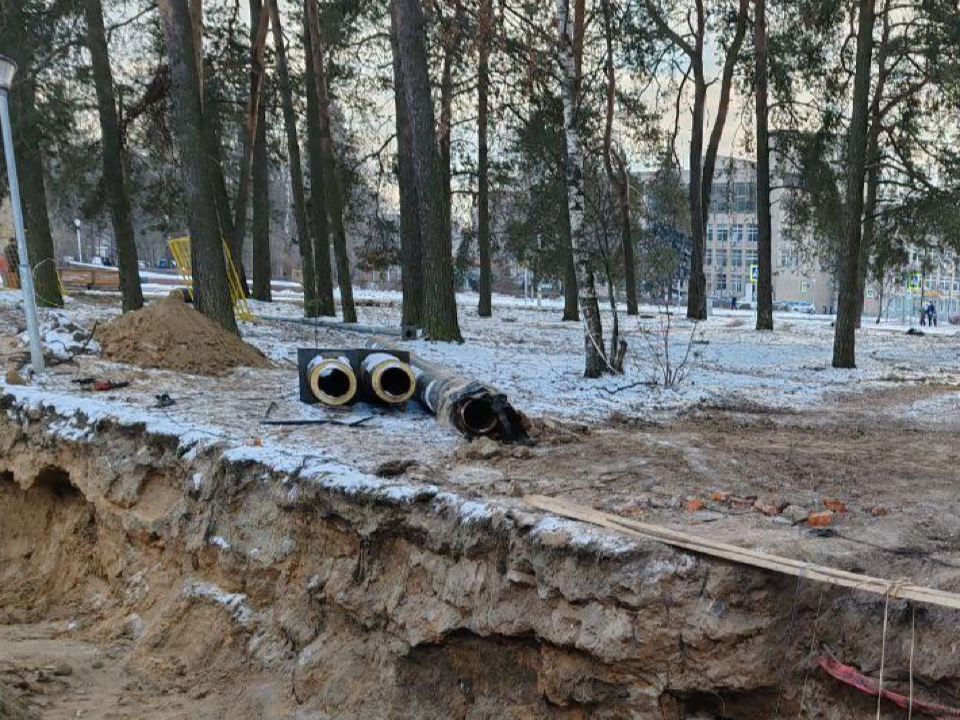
x=220, y=542
x=236, y=603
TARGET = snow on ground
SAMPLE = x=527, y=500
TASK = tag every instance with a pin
x=538, y=360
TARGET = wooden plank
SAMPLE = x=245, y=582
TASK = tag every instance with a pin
x=743, y=556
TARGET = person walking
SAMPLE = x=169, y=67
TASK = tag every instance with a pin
x=11, y=257
x=932, y=315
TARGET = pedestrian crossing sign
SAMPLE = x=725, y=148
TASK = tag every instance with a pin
x=754, y=274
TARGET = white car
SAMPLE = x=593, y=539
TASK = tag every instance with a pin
x=802, y=307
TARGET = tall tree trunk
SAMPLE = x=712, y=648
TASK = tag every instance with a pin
x=210, y=289
x=331, y=173
x=873, y=163
x=844, y=344
x=310, y=303
x=716, y=134
x=485, y=33
x=262, y=270
x=571, y=306
x=595, y=362
x=411, y=260
x=697, y=284
x=259, y=169
x=318, y=182
x=619, y=179
x=450, y=52
x=213, y=153
x=113, y=171
x=259, y=27
x=28, y=141
x=440, y=305
x=764, y=223
x=626, y=236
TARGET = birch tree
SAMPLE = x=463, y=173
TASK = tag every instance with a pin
x=595, y=362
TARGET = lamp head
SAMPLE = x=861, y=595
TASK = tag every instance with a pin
x=77, y=223
x=8, y=68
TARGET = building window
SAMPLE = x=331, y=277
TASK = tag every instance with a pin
x=789, y=259
x=736, y=258
x=721, y=257
x=708, y=256
x=737, y=237
x=745, y=197
x=709, y=233
x=721, y=283
x=753, y=233
x=722, y=232
x=956, y=285
x=737, y=283
x=752, y=257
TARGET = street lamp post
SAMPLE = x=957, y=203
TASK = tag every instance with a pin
x=77, y=224
x=8, y=69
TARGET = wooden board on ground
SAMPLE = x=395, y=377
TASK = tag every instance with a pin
x=743, y=556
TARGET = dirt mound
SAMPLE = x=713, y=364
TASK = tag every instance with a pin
x=170, y=334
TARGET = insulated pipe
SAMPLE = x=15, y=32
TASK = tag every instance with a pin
x=473, y=408
x=332, y=380
x=387, y=378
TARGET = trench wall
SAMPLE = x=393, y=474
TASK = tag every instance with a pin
x=339, y=595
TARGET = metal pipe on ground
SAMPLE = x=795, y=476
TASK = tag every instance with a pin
x=472, y=408
x=406, y=332
x=332, y=380
x=387, y=378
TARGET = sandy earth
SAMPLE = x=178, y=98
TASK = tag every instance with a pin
x=760, y=417
x=61, y=677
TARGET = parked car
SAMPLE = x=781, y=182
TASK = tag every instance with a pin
x=800, y=306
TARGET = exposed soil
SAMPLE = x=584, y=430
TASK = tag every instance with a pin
x=170, y=334
x=897, y=480
x=197, y=587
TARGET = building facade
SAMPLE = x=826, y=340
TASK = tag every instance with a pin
x=731, y=253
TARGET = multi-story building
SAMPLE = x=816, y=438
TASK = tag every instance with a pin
x=731, y=255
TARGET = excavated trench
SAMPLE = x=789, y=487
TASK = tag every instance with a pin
x=340, y=597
